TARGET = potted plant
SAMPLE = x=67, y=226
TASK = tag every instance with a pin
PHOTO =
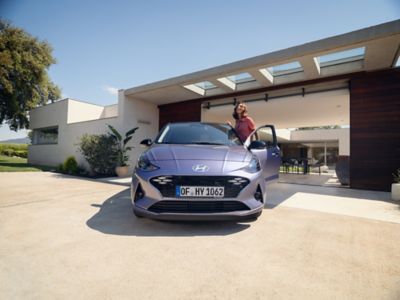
x=122, y=158
x=396, y=185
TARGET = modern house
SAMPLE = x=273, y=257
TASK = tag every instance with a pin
x=351, y=80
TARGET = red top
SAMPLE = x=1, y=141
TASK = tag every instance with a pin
x=244, y=127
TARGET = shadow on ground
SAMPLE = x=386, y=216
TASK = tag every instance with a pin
x=115, y=217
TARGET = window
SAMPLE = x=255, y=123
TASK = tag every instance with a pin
x=45, y=136
x=341, y=57
x=266, y=135
x=241, y=78
x=205, y=85
x=198, y=133
x=285, y=69
x=201, y=88
x=397, y=62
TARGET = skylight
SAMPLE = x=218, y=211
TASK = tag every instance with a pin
x=285, y=69
x=397, y=62
x=241, y=78
x=205, y=85
x=341, y=57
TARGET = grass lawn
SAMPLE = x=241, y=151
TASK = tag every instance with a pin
x=17, y=164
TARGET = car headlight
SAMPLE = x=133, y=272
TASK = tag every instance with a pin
x=254, y=165
x=145, y=164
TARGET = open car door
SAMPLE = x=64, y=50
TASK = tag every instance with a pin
x=263, y=143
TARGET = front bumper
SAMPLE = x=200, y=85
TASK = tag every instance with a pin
x=152, y=196
x=226, y=216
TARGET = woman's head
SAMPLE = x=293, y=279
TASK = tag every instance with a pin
x=240, y=111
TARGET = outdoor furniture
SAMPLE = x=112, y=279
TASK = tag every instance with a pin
x=294, y=164
x=313, y=163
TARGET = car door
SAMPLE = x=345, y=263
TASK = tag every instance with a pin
x=269, y=155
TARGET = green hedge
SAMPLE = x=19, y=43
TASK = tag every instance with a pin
x=20, y=150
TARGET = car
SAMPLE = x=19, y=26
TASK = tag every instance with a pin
x=203, y=171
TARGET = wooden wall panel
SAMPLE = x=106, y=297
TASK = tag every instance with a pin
x=374, y=129
x=180, y=112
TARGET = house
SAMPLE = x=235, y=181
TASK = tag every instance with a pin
x=350, y=80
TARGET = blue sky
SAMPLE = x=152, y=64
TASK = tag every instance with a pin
x=102, y=46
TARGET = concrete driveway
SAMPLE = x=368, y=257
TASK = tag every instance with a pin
x=63, y=237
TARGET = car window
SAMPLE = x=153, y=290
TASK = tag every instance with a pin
x=264, y=134
x=198, y=133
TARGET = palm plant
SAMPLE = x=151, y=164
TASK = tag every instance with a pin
x=121, y=144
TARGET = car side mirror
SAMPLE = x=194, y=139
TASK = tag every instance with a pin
x=257, y=145
x=146, y=143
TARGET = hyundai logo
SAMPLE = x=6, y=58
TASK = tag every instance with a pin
x=200, y=168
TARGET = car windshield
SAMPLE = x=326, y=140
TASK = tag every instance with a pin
x=198, y=133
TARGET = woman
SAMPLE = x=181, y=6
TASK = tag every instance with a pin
x=244, y=124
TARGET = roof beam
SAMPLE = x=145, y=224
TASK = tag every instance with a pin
x=221, y=85
x=263, y=77
x=310, y=66
x=381, y=53
x=227, y=83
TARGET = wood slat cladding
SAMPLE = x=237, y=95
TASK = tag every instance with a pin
x=180, y=112
x=374, y=129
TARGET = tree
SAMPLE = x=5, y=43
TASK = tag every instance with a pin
x=24, y=82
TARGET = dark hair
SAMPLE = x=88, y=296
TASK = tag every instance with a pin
x=244, y=113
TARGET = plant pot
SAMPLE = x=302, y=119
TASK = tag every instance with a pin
x=122, y=171
x=343, y=170
x=396, y=191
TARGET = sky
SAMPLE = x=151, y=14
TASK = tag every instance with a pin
x=102, y=46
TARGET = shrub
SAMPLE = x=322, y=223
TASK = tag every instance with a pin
x=21, y=153
x=70, y=166
x=8, y=152
x=13, y=146
x=20, y=150
x=100, y=153
x=60, y=168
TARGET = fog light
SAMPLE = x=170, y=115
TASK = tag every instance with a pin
x=139, y=193
x=258, y=195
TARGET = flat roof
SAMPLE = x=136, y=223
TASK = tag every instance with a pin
x=368, y=49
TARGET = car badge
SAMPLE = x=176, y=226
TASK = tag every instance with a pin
x=200, y=168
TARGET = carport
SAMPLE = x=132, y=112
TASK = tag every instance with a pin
x=351, y=80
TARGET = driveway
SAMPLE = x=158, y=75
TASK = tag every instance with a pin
x=63, y=237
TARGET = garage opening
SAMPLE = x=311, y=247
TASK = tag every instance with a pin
x=312, y=127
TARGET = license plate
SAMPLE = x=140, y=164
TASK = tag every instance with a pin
x=200, y=191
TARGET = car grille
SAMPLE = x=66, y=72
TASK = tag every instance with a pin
x=166, y=184
x=197, y=206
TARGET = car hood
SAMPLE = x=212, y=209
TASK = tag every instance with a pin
x=164, y=152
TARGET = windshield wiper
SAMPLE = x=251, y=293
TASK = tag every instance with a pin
x=206, y=143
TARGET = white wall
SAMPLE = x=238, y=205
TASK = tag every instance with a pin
x=110, y=111
x=49, y=115
x=125, y=115
x=61, y=114
x=137, y=113
x=81, y=111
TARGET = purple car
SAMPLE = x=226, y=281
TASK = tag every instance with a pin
x=202, y=171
